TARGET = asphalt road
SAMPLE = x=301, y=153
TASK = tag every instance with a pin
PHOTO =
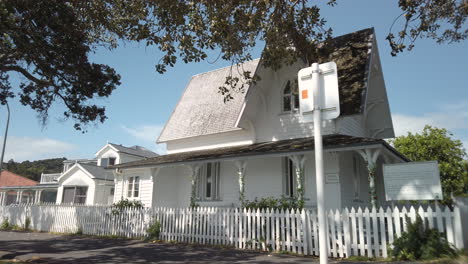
x=51, y=248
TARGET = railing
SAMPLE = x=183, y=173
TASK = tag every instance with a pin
x=350, y=232
x=50, y=177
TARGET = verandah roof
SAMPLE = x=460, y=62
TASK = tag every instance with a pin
x=330, y=142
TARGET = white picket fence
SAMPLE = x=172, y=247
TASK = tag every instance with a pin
x=350, y=232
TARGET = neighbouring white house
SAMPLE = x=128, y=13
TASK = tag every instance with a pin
x=256, y=145
x=82, y=181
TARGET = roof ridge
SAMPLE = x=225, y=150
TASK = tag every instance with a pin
x=222, y=68
x=333, y=38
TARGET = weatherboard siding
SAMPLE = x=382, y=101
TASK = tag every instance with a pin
x=77, y=178
x=109, y=153
x=264, y=178
x=227, y=139
x=351, y=126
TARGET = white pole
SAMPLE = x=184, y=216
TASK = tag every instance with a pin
x=323, y=245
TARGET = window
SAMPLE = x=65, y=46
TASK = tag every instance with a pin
x=107, y=161
x=356, y=177
x=133, y=187
x=112, y=191
x=290, y=97
x=290, y=182
x=75, y=194
x=207, y=186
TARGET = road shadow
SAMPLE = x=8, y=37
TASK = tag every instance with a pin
x=75, y=249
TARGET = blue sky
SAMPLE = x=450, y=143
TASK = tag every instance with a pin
x=425, y=86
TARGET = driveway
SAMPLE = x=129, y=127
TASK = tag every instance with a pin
x=50, y=248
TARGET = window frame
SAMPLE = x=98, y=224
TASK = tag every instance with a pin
x=357, y=177
x=293, y=95
x=113, y=159
x=212, y=170
x=133, y=187
x=289, y=179
x=107, y=161
x=75, y=196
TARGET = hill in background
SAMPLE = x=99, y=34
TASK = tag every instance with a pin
x=34, y=169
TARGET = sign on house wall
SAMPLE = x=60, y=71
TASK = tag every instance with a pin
x=412, y=181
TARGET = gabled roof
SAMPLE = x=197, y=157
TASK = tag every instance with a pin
x=201, y=110
x=134, y=150
x=330, y=142
x=93, y=171
x=352, y=53
x=98, y=172
x=8, y=178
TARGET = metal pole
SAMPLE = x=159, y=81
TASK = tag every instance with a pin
x=5, y=137
x=323, y=245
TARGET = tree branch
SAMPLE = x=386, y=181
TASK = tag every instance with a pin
x=25, y=74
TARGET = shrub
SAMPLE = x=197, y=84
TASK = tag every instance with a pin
x=27, y=223
x=273, y=203
x=419, y=243
x=5, y=225
x=79, y=231
x=154, y=230
x=124, y=204
x=16, y=228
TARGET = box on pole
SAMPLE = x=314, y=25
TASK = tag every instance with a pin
x=329, y=98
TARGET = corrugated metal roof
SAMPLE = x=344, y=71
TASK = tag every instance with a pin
x=201, y=110
x=98, y=172
x=135, y=150
x=274, y=147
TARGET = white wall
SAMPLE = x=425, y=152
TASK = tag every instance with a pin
x=264, y=178
x=348, y=180
x=233, y=138
x=102, y=191
x=108, y=152
x=119, y=156
x=77, y=177
x=263, y=119
x=146, y=186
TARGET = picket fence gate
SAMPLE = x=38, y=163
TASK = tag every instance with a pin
x=350, y=232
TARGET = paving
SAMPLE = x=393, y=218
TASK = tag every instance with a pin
x=51, y=248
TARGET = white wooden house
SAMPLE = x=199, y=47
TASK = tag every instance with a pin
x=82, y=181
x=91, y=183
x=256, y=144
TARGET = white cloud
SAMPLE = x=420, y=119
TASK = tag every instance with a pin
x=28, y=148
x=453, y=117
x=148, y=134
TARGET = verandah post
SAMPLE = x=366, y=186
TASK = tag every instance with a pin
x=299, y=161
x=194, y=169
x=371, y=159
x=241, y=165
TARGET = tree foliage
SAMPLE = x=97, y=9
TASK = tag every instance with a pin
x=437, y=144
x=34, y=169
x=48, y=42
x=441, y=20
x=48, y=45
